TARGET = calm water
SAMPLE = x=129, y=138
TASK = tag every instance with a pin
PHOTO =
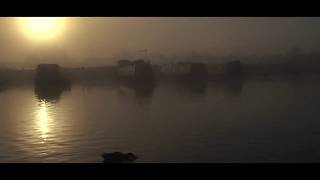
x=254, y=121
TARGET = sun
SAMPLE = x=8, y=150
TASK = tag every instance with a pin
x=42, y=28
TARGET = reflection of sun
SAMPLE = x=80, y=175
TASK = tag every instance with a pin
x=42, y=119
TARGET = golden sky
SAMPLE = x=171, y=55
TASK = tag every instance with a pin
x=114, y=37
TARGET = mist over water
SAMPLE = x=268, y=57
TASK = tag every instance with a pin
x=179, y=89
x=254, y=121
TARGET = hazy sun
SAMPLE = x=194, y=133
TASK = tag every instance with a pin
x=42, y=28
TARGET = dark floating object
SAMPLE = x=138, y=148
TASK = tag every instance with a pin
x=118, y=157
x=49, y=75
x=49, y=83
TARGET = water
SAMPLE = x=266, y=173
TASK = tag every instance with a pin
x=254, y=121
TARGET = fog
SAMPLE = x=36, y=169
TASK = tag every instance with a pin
x=95, y=41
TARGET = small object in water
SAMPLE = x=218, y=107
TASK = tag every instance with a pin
x=118, y=157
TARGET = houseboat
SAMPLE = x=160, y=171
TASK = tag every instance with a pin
x=185, y=70
x=137, y=70
x=50, y=75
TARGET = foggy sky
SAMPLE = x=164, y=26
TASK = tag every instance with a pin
x=101, y=39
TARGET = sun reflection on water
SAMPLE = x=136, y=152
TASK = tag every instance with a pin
x=43, y=119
